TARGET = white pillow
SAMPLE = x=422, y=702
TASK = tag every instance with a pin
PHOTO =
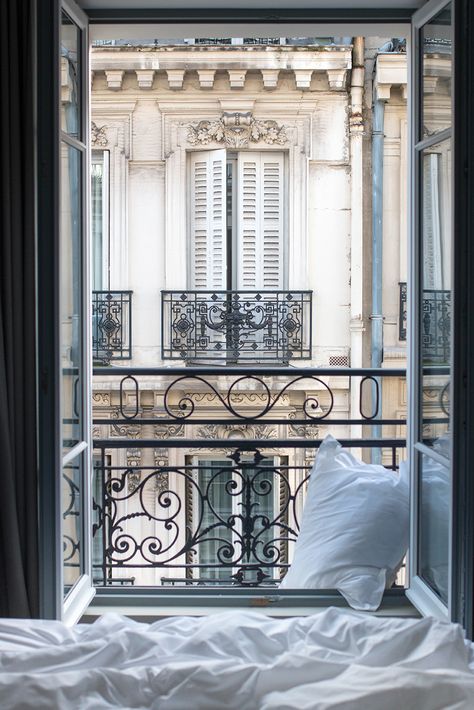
x=354, y=530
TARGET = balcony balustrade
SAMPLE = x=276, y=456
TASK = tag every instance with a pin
x=111, y=325
x=200, y=473
x=236, y=326
x=435, y=321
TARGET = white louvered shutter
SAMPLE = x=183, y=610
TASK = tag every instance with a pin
x=260, y=220
x=432, y=238
x=208, y=220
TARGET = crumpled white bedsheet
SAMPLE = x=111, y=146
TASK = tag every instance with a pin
x=238, y=660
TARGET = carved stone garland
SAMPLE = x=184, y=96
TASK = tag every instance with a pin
x=237, y=130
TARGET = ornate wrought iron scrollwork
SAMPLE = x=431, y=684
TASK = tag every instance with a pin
x=249, y=535
x=184, y=405
x=435, y=324
x=111, y=325
x=237, y=325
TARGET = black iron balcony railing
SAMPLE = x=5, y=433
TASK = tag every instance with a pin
x=236, y=326
x=200, y=473
x=435, y=323
x=111, y=325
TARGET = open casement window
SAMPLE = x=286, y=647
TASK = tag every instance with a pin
x=66, y=583
x=237, y=220
x=431, y=573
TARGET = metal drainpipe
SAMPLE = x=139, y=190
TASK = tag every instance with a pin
x=377, y=243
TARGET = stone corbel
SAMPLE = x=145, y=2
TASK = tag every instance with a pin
x=270, y=78
x=145, y=78
x=382, y=92
x=337, y=79
x=303, y=78
x=175, y=78
x=237, y=78
x=429, y=84
x=114, y=78
x=206, y=78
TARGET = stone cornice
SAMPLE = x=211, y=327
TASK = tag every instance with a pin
x=236, y=61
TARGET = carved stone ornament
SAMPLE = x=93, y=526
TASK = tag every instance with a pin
x=237, y=130
x=99, y=135
x=133, y=481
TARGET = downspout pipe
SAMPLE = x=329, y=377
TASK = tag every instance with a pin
x=377, y=246
x=356, y=136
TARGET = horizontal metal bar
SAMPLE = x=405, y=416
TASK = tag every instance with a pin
x=117, y=596
x=250, y=15
x=277, y=371
x=320, y=422
x=260, y=292
x=111, y=291
x=240, y=443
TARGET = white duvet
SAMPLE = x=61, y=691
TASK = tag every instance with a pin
x=239, y=659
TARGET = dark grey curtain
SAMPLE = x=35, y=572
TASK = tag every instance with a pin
x=18, y=468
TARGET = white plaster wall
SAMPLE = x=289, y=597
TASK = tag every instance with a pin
x=329, y=250
x=394, y=217
x=146, y=257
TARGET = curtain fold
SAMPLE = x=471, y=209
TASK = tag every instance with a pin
x=18, y=472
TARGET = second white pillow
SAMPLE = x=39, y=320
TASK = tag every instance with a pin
x=354, y=530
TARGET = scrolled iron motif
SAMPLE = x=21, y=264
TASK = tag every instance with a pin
x=239, y=325
x=248, y=536
x=185, y=405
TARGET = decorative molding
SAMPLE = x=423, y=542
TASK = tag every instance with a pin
x=145, y=78
x=162, y=483
x=175, y=78
x=161, y=457
x=99, y=136
x=303, y=78
x=168, y=431
x=206, y=78
x=237, y=78
x=270, y=78
x=302, y=431
x=128, y=431
x=114, y=78
x=133, y=481
x=237, y=130
x=337, y=79
x=101, y=398
x=245, y=431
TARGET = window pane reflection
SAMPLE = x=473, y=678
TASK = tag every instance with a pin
x=71, y=293
x=437, y=73
x=71, y=507
x=70, y=77
x=435, y=302
x=434, y=498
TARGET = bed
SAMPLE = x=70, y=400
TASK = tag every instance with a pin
x=237, y=659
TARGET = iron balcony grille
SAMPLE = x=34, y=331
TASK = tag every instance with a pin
x=435, y=324
x=204, y=484
x=236, y=326
x=111, y=325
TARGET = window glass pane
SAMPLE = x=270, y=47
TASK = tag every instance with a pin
x=70, y=77
x=237, y=516
x=72, y=530
x=214, y=480
x=71, y=294
x=435, y=296
x=434, y=498
x=437, y=73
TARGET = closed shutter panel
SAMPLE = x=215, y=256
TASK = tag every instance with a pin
x=260, y=221
x=208, y=205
